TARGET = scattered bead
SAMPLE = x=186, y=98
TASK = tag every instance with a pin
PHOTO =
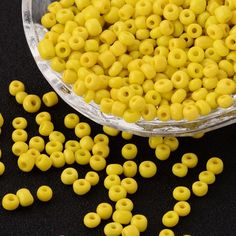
x=181, y=193
x=25, y=197
x=179, y=170
x=113, y=229
x=130, y=185
x=130, y=230
x=81, y=186
x=92, y=220
x=182, y=208
x=117, y=192
x=50, y=99
x=207, y=177
x=10, y=202
x=170, y=219
x=166, y=232
x=69, y=175
x=199, y=188
x=215, y=165
x=190, y=160
x=44, y=193
x=140, y=222
x=129, y=151
x=104, y=210
x=19, y=123
x=147, y=169
x=124, y=204
x=114, y=169
x=92, y=177
x=122, y=216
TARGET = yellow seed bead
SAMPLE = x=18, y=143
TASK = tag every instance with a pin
x=82, y=156
x=100, y=149
x=215, y=165
x=104, y=210
x=16, y=86
x=19, y=135
x=82, y=129
x=190, y=112
x=43, y=162
x=147, y=169
x=124, y=204
x=111, y=180
x=154, y=141
x=223, y=14
x=25, y=197
x=199, y=188
x=32, y=103
x=69, y=175
x=42, y=116
x=97, y=163
x=130, y=185
x=129, y=151
x=19, y=148
x=110, y=131
x=50, y=99
x=172, y=142
x=182, y=208
x=86, y=143
x=207, y=177
x=115, y=169
x=34, y=153
x=81, y=186
x=72, y=145
x=71, y=120
x=37, y=143
x=130, y=230
x=162, y=151
x=190, y=160
x=179, y=170
x=225, y=101
x=92, y=177
x=2, y=168
x=101, y=138
x=10, y=202
x=117, y=192
x=45, y=128
x=181, y=193
x=19, y=123
x=53, y=146
x=113, y=229
x=140, y=222
x=122, y=216
x=57, y=136
x=92, y=220
x=44, y=193
x=130, y=169
x=166, y=232
x=46, y=49
x=170, y=219
x=58, y=159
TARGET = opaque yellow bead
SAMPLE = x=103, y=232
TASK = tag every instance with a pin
x=111, y=180
x=215, y=165
x=69, y=175
x=225, y=101
x=58, y=159
x=44, y=193
x=179, y=170
x=82, y=156
x=129, y=151
x=37, y=143
x=154, y=141
x=113, y=229
x=64, y=15
x=53, y=146
x=16, y=86
x=130, y=185
x=92, y=177
x=181, y=193
x=140, y=222
x=190, y=160
x=104, y=210
x=97, y=163
x=223, y=14
x=42, y=116
x=19, y=123
x=117, y=192
x=54, y=7
x=19, y=135
x=32, y=103
x=170, y=219
x=207, y=177
x=130, y=230
x=110, y=130
x=82, y=129
x=199, y=188
x=100, y=149
x=147, y=169
x=57, y=136
x=25, y=197
x=45, y=128
x=122, y=216
x=162, y=151
x=43, y=162
x=124, y=204
x=46, y=49
x=190, y=112
x=182, y=208
x=130, y=169
x=126, y=135
x=114, y=169
x=81, y=186
x=50, y=99
x=166, y=232
x=19, y=148
x=10, y=202
x=2, y=167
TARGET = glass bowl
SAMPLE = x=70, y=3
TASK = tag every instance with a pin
x=32, y=10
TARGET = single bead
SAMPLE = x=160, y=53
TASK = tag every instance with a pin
x=42, y=116
x=130, y=169
x=182, y=208
x=104, y=210
x=82, y=129
x=44, y=193
x=97, y=163
x=181, y=193
x=140, y=222
x=58, y=159
x=43, y=162
x=82, y=156
x=154, y=141
x=115, y=169
x=110, y=131
x=53, y=146
x=16, y=86
x=37, y=143
x=147, y=169
x=19, y=148
x=215, y=165
x=129, y=151
x=199, y=188
x=124, y=204
x=50, y=99
x=92, y=177
x=101, y=149
x=130, y=230
x=207, y=177
x=111, y=180
x=170, y=219
x=101, y=138
x=122, y=216
x=72, y=145
x=10, y=202
x=172, y=142
x=19, y=123
x=25, y=197
x=179, y=170
x=162, y=152
x=57, y=136
x=190, y=160
x=32, y=103
x=19, y=135
x=117, y=192
x=166, y=232
x=46, y=128
x=113, y=229
x=20, y=96
x=81, y=186
x=69, y=175
x=130, y=185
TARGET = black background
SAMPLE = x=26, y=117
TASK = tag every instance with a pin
x=213, y=215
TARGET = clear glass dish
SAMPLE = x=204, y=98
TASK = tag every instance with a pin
x=32, y=10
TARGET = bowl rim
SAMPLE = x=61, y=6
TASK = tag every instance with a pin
x=216, y=119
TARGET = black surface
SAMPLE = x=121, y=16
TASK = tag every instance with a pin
x=212, y=215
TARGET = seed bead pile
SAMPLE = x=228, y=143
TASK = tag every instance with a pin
x=145, y=58
x=50, y=148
